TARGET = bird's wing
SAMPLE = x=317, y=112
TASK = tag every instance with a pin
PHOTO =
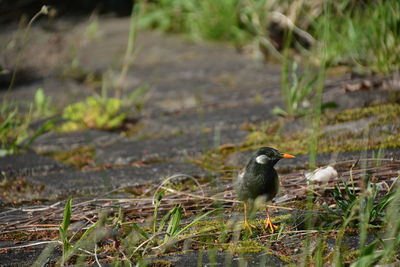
x=241, y=174
x=239, y=180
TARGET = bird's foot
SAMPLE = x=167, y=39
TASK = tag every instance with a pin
x=270, y=225
x=248, y=226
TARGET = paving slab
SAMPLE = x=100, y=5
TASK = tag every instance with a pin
x=185, y=259
x=20, y=257
x=60, y=91
x=27, y=164
x=230, y=117
x=223, y=119
x=221, y=258
x=170, y=147
x=98, y=182
x=361, y=98
x=52, y=141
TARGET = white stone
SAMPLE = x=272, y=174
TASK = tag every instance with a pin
x=323, y=174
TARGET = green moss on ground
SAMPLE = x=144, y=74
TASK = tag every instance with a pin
x=79, y=157
x=161, y=263
x=385, y=113
x=246, y=247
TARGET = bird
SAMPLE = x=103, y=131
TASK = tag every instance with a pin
x=259, y=179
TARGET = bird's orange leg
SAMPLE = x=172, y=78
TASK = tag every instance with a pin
x=247, y=225
x=269, y=224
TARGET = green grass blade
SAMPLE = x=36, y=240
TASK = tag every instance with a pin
x=67, y=215
x=139, y=230
x=175, y=216
x=48, y=125
x=88, y=231
x=63, y=229
x=158, y=199
x=174, y=223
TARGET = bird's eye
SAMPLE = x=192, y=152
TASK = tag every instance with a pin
x=262, y=159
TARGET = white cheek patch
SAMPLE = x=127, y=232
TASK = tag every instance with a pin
x=262, y=159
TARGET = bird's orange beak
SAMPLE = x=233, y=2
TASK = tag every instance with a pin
x=288, y=156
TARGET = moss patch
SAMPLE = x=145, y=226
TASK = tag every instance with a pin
x=79, y=157
x=215, y=159
x=246, y=247
x=161, y=263
x=209, y=226
x=385, y=113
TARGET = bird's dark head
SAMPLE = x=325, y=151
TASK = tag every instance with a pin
x=269, y=156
